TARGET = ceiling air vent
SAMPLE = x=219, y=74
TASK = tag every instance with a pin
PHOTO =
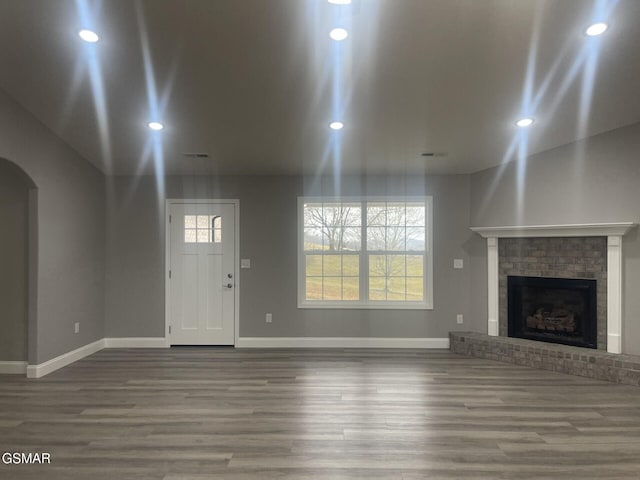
x=434, y=154
x=195, y=155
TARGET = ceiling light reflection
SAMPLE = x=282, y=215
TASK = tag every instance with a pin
x=524, y=122
x=88, y=36
x=596, y=29
x=338, y=34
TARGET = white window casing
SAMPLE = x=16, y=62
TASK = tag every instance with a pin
x=365, y=252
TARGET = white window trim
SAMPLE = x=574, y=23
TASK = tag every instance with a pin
x=427, y=304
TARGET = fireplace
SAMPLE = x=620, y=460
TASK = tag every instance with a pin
x=557, y=310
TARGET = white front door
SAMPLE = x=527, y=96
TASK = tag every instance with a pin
x=202, y=274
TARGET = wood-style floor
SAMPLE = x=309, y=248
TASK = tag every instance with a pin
x=195, y=414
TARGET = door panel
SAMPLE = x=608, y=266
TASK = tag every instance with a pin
x=202, y=264
x=214, y=306
x=186, y=277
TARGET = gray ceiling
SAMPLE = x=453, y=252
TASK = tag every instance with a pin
x=254, y=83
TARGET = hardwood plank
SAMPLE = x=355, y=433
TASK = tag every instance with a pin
x=220, y=413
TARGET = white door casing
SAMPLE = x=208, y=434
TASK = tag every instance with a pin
x=201, y=272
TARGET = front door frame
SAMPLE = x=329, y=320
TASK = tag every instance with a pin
x=167, y=261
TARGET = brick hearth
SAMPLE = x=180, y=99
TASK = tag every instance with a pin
x=583, y=362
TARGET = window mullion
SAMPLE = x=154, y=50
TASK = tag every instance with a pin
x=342, y=276
x=364, y=258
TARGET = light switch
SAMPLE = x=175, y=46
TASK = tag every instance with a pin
x=245, y=263
x=458, y=263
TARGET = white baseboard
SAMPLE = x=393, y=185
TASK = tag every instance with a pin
x=341, y=342
x=13, y=367
x=37, y=371
x=136, y=342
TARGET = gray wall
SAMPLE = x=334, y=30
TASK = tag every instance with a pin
x=268, y=236
x=591, y=181
x=14, y=202
x=70, y=258
x=595, y=180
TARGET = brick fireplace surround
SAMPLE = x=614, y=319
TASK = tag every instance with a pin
x=555, y=257
x=591, y=251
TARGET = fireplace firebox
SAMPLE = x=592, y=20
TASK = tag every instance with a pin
x=556, y=310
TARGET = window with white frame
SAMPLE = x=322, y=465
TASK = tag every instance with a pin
x=365, y=253
x=202, y=229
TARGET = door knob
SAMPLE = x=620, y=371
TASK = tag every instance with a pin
x=229, y=285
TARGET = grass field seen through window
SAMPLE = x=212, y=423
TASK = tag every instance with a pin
x=391, y=277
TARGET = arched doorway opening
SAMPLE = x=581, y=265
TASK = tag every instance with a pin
x=18, y=209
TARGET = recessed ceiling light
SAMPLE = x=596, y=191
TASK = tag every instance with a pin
x=336, y=125
x=88, y=36
x=338, y=34
x=596, y=29
x=155, y=126
x=340, y=2
x=524, y=122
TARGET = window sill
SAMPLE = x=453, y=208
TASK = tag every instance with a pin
x=364, y=306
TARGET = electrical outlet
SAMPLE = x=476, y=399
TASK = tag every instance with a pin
x=269, y=318
x=459, y=318
x=77, y=327
x=458, y=263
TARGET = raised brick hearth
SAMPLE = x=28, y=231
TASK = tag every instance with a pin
x=596, y=364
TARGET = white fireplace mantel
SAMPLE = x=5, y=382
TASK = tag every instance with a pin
x=572, y=230
x=613, y=232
